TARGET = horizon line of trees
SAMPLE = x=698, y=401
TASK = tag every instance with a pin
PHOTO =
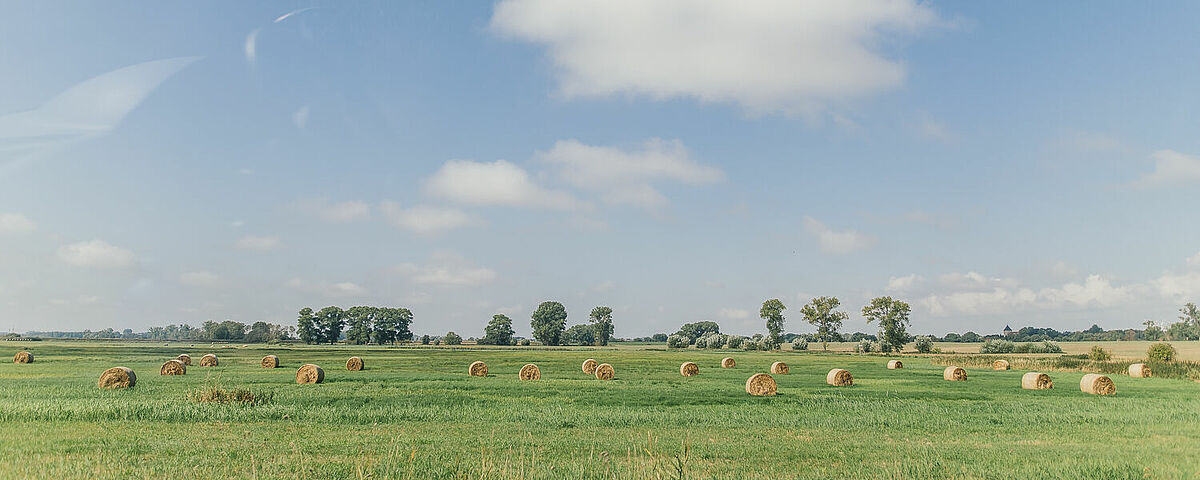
x=362, y=324
x=228, y=330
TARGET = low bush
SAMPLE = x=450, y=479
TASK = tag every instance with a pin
x=997, y=346
x=1099, y=354
x=734, y=341
x=452, y=338
x=678, y=341
x=800, y=343
x=924, y=344
x=524, y=342
x=864, y=346
x=1161, y=352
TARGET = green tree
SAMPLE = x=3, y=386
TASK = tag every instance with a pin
x=581, y=334
x=392, y=325
x=1152, y=331
x=601, y=319
x=548, y=322
x=452, y=338
x=1189, y=321
x=499, y=331
x=359, y=321
x=698, y=329
x=892, y=316
x=306, y=327
x=260, y=332
x=822, y=313
x=772, y=312
x=331, y=320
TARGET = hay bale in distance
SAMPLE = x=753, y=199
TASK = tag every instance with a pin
x=186, y=359
x=1036, y=381
x=1001, y=364
x=477, y=369
x=310, y=373
x=761, y=384
x=895, y=365
x=689, y=369
x=839, y=377
x=209, y=360
x=779, y=368
x=589, y=366
x=531, y=372
x=954, y=374
x=354, y=364
x=173, y=367
x=605, y=371
x=728, y=362
x=1140, y=370
x=1097, y=384
x=23, y=357
x=117, y=377
x=270, y=361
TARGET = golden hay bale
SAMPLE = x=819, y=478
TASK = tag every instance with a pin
x=605, y=371
x=185, y=358
x=1097, y=384
x=117, y=377
x=895, y=364
x=689, y=369
x=354, y=364
x=209, y=360
x=839, y=377
x=270, y=361
x=23, y=357
x=477, y=369
x=1140, y=370
x=589, y=366
x=779, y=368
x=173, y=367
x=1036, y=381
x=728, y=362
x=954, y=374
x=1000, y=365
x=310, y=373
x=531, y=372
x=761, y=384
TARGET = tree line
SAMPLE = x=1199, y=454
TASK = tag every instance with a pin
x=362, y=324
x=228, y=330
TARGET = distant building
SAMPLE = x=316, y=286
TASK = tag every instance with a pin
x=1008, y=331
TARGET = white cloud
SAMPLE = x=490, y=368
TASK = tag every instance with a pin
x=336, y=212
x=836, y=242
x=445, y=269
x=1063, y=269
x=200, y=279
x=257, y=242
x=1179, y=286
x=499, y=183
x=424, y=219
x=327, y=289
x=733, y=313
x=767, y=55
x=250, y=46
x=1194, y=260
x=96, y=254
x=1095, y=291
x=1170, y=168
x=16, y=223
x=934, y=130
x=625, y=177
x=975, y=294
x=902, y=284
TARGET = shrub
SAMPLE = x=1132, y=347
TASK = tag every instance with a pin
x=882, y=347
x=1099, y=354
x=924, y=344
x=1161, y=352
x=678, y=341
x=424, y=339
x=767, y=343
x=1045, y=346
x=524, y=342
x=701, y=342
x=452, y=338
x=864, y=346
x=997, y=346
x=800, y=343
x=749, y=344
x=734, y=341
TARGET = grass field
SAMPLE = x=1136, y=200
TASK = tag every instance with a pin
x=414, y=413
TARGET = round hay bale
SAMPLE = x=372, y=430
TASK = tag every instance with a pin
x=728, y=362
x=531, y=372
x=477, y=369
x=1000, y=365
x=761, y=384
x=954, y=374
x=270, y=361
x=689, y=369
x=605, y=371
x=354, y=364
x=23, y=357
x=186, y=359
x=1097, y=384
x=1036, y=381
x=1140, y=370
x=310, y=373
x=589, y=366
x=117, y=377
x=209, y=360
x=779, y=368
x=173, y=367
x=895, y=365
x=839, y=377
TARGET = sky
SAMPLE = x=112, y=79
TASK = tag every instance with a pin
x=991, y=164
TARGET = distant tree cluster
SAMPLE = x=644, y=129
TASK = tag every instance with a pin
x=228, y=330
x=381, y=325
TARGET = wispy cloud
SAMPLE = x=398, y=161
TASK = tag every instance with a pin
x=16, y=223
x=96, y=254
x=425, y=219
x=327, y=289
x=446, y=269
x=498, y=183
x=258, y=242
x=200, y=279
x=837, y=242
x=1171, y=168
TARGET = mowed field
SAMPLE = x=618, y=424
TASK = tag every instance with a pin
x=415, y=413
x=1126, y=350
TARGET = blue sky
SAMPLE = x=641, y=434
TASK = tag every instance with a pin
x=990, y=163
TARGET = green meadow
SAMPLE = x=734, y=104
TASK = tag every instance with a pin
x=415, y=413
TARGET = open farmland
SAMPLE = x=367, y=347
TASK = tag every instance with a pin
x=415, y=413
